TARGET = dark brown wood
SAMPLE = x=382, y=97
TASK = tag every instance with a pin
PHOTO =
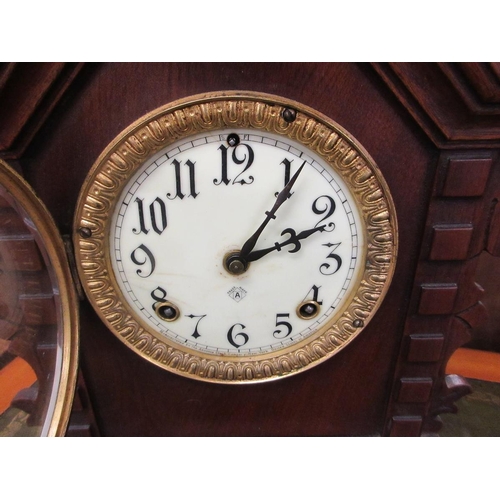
x=437, y=298
x=446, y=305
x=415, y=390
x=82, y=420
x=425, y=348
x=466, y=177
x=455, y=104
x=451, y=242
x=28, y=93
x=133, y=397
x=433, y=130
x=453, y=388
x=493, y=243
x=482, y=78
x=402, y=426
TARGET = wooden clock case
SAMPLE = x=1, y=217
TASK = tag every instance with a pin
x=434, y=131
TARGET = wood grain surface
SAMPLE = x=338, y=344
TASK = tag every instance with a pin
x=356, y=392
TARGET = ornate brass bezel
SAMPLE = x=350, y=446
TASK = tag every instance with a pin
x=219, y=111
x=52, y=248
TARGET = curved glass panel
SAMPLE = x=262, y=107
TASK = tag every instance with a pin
x=38, y=322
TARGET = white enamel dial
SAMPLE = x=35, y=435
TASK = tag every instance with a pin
x=198, y=201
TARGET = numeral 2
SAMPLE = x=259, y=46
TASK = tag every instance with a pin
x=328, y=208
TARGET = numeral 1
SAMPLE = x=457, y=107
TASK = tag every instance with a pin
x=223, y=178
x=288, y=168
x=288, y=173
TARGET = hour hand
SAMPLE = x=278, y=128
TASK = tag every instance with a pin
x=293, y=239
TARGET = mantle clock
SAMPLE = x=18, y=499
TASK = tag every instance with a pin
x=253, y=256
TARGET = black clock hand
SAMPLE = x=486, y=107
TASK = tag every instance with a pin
x=294, y=239
x=249, y=245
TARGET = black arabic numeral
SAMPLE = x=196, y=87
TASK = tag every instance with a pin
x=231, y=337
x=142, y=222
x=288, y=171
x=314, y=291
x=280, y=334
x=158, y=295
x=196, y=334
x=158, y=213
x=224, y=179
x=157, y=216
x=147, y=257
x=324, y=205
x=247, y=160
x=325, y=267
x=178, y=180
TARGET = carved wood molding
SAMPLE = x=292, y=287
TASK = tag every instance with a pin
x=28, y=94
x=82, y=422
x=456, y=104
x=446, y=301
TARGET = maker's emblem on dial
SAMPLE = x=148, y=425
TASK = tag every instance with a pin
x=237, y=293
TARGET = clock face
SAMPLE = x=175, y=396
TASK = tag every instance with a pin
x=235, y=237
x=184, y=217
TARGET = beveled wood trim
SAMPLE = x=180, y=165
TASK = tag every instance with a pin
x=28, y=94
x=451, y=106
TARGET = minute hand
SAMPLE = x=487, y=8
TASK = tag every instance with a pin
x=249, y=245
x=294, y=239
